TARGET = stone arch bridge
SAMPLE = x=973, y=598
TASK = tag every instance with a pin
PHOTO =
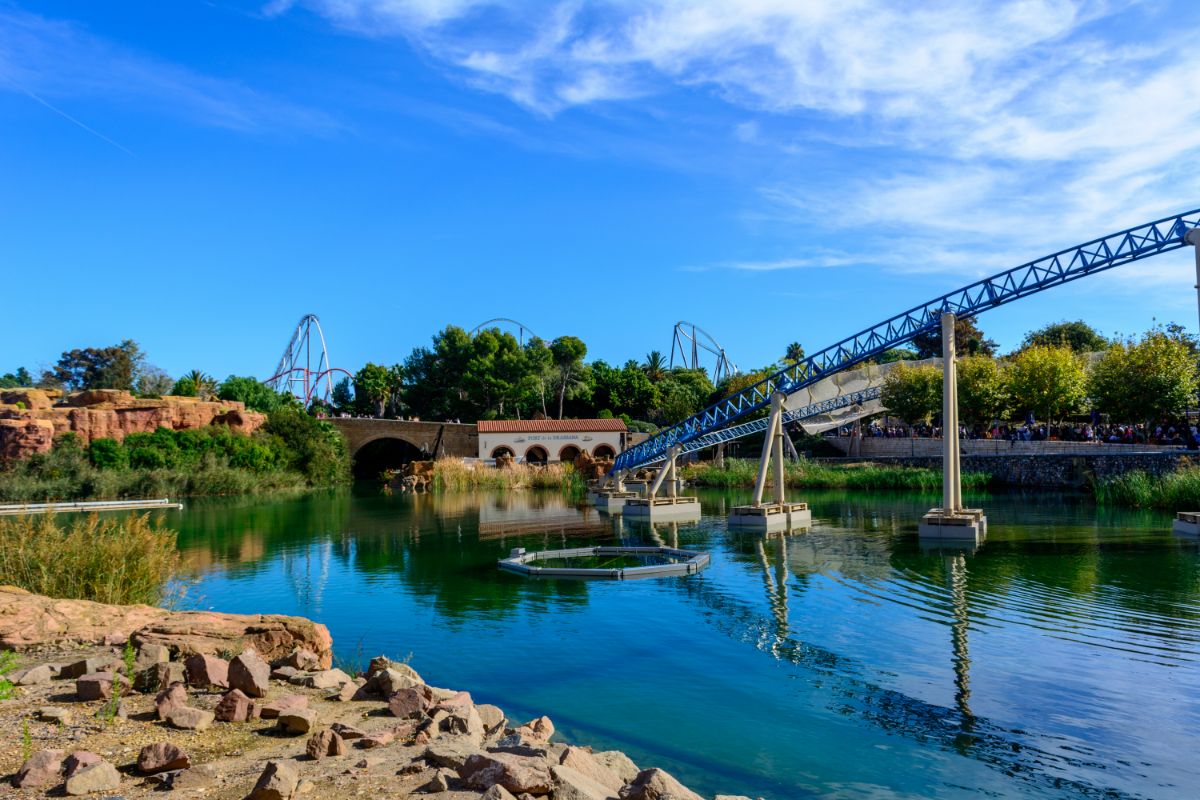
x=387, y=442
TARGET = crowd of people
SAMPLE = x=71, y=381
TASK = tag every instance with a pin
x=1166, y=433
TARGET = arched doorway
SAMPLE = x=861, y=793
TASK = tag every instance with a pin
x=604, y=451
x=536, y=455
x=386, y=453
x=568, y=454
x=503, y=451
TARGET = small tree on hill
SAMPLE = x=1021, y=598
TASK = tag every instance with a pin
x=1077, y=335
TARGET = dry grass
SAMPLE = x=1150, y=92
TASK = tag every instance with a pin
x=452, y=475
x=114, y=560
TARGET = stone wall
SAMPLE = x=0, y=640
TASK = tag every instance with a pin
x=458, y=440
x=1060, y=471
x=31, y=418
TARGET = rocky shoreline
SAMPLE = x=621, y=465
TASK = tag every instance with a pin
x=181, y=704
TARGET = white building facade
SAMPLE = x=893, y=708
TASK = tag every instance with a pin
x=548, y=441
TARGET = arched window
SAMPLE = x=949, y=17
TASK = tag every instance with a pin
x=536, y=455
x=568, y=454
x=502, y=451
x=604, y=451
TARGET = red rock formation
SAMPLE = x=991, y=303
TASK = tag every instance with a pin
x=28, y=417
x=31, y=621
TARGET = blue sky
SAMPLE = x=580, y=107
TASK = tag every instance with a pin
x=199, y=175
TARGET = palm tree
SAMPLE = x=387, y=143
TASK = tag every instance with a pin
x=655, y=366
x=204, y=384
x=794, y=354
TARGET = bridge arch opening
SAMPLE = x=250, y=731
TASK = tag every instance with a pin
x=568, y=454
x=536, y=455
x=604, y=451
x=384, y=453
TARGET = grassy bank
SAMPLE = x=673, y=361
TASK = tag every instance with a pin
x=741, y=474
x=291, y=452
x=452, y=475
x=125, y=560
x=1177, y=491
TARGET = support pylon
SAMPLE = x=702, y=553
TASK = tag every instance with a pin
x=672, y=507
x=951, y=521
x=778, y=514
x=611, y=495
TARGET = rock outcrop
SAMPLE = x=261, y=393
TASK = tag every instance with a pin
x=29, y=621
x=30, y=419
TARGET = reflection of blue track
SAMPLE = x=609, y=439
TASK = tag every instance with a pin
x=760, y=425
x=1068, y=265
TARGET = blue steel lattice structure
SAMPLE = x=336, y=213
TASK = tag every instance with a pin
x=759, y=425
x=1062, y=267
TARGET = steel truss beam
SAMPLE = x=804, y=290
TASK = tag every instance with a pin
x=759, y=425
x=1062, y=267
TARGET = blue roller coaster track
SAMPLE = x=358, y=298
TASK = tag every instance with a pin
x=1062, y=267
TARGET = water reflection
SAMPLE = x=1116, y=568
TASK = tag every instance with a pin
x=1035, y=656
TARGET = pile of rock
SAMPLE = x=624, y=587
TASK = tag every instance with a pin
x=275, y=727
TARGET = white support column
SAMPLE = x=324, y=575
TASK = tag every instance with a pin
x=951, y=486
x=1193, y=238
x=777, y=514
x=952, y=520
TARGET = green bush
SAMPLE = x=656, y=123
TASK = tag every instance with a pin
x=108, y=454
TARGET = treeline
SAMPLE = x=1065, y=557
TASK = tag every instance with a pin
x=492, y=375
x=1060, y=372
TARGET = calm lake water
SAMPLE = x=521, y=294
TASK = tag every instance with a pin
x=1059, y=659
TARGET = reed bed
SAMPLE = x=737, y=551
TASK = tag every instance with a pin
x=452, y=475
x=1176, y=491
x=113, y=560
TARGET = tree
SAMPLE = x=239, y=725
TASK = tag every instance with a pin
x=794, y=353
x=15, y=380
x=982, y=390
x=1150, y=380
x=1050, y=381
x=196, y=383
x=254, y=393
x=1077, y=335
x=899, y=354
x=115, y=367
x=655, y=366
x=567, y=353
x=914, y=394
x=154, y=381
x=683, y=392
x=343, y=396
x=968, y=340
x=373, y=384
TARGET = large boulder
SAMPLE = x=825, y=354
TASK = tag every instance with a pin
x=248, y=672
x=29, y=621
x=515, y=773
x=278, y=781
x=657, y=784
x=42, y=769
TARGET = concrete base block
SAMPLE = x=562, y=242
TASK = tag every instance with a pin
x=663, y=509
x=964, y=524
x=771, y=517
x=611, y=501
x=1187, y=523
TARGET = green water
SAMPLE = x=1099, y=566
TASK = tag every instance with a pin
x=1058, y=659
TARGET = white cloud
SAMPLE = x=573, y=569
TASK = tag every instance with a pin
x=998, y=130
